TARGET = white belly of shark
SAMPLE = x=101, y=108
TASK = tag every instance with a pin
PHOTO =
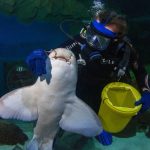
x=52, y=102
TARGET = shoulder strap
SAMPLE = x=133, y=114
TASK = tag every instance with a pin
x=127, y=50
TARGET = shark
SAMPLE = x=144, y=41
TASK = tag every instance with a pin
x=52, y=102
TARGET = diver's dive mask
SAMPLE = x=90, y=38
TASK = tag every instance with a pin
x=97, y=36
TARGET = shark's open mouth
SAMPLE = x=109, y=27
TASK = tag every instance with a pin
x=56, y=55
x=62, y=58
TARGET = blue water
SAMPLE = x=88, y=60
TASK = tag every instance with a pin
x=18, y=39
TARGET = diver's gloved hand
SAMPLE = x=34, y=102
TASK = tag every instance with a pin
x=36, y=61
x=105, y=138
x=145, y=101
x=95, y=55
x=120, y=71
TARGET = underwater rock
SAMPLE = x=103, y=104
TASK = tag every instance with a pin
x=10, y=134
x=45, y=10
x=30, y=10
x=78, y=10
x=7, y=6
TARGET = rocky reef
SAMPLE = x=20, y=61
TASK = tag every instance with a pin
x=27, y=10
x=10, y=134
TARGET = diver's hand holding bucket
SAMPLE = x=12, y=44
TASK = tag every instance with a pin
x=145, y=101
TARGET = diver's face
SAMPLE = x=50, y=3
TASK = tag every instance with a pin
x=99, y=35
x=113, y=28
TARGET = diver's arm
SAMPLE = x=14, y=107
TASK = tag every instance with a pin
x=139, y=70
x=143, y=81
x=135, y=63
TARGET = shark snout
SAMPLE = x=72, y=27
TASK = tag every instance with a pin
x=62, y=54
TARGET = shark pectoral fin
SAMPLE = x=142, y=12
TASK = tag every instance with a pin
x=12, y=106
x=79, y=118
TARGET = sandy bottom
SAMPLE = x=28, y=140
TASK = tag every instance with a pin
x=70, y=141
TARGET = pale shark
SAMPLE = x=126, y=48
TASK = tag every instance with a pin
x=52, y=102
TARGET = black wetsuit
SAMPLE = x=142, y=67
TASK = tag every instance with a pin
x=97, y=73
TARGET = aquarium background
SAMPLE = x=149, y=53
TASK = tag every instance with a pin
x=26, y=25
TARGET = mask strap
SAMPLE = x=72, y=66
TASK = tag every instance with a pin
x=110, y=16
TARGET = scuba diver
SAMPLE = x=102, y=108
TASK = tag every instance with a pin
x=104, y=54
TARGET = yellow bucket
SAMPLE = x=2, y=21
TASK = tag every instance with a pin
x=117, y=106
